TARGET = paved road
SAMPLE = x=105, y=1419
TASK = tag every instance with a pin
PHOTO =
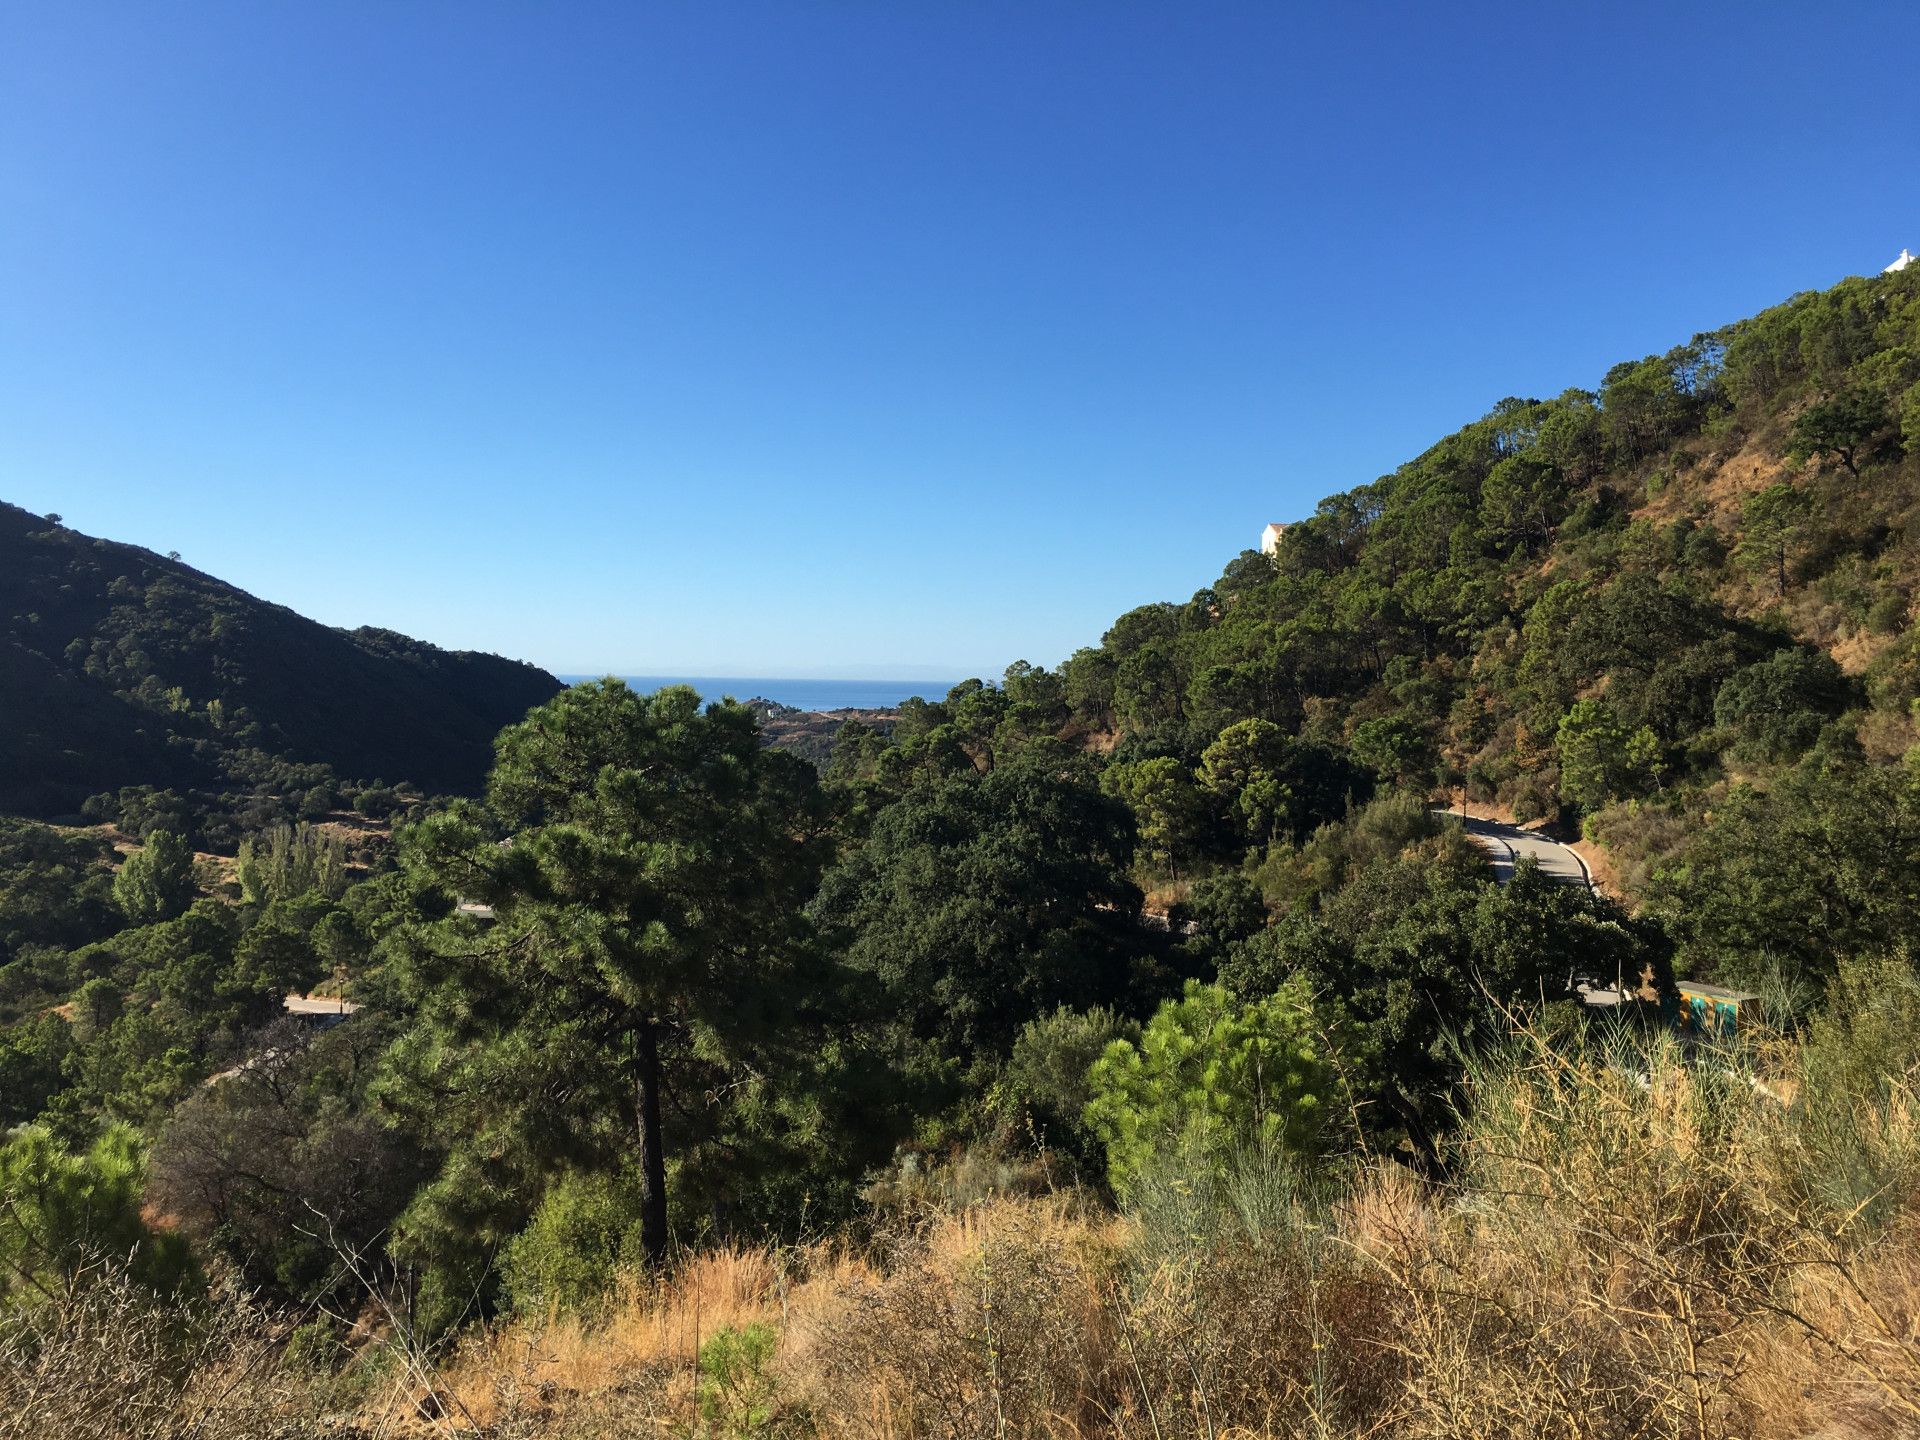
x=1508, y=845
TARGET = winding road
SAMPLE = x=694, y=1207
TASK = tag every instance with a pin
x=1507, y=845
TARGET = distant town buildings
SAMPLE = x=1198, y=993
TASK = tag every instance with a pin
x=1902, y=263
x=1270, y=538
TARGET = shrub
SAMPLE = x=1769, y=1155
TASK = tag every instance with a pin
x=1212, y=1077
x=1045, y=1083
x=735, y=1394
x=317, y=1346
x=1533, y=800
x=567, y=1258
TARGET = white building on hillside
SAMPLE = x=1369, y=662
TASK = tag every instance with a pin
x=1902, y=263
x=1270, y=538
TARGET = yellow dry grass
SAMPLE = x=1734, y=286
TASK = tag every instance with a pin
x=646, y=1340
x=1635, y=1246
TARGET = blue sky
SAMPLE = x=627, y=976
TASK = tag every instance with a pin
x=861, y=338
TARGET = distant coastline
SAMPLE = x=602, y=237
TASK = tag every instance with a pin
x=800, y=694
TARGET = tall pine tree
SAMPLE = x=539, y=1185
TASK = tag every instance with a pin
x=647, y=863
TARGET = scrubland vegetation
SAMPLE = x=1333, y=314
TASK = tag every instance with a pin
x=1124, y=1049
x=1633, y=1241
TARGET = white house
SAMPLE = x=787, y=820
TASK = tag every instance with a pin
x=1270, y=538
x=1902, y=263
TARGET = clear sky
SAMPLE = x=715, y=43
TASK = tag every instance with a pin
x=862, y=337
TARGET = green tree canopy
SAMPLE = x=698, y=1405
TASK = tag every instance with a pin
x=1779, y=704
x=1394, y=748
x=290, y=860
x=1783, y=883
x=1600, y=759
x=156, y=881
x=55, y=889
x=1210, y=1077
x=650, y=954
x=1169, y=807
x=1841, y=425
x=978, y=902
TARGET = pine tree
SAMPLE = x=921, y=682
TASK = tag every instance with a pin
x=648, y=902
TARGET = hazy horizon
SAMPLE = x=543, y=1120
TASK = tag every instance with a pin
x=852, y=675
x=819, y=693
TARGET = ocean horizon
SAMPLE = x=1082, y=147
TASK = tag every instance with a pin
x=800, y=694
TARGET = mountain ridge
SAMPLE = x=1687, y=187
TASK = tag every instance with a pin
x=124, y=667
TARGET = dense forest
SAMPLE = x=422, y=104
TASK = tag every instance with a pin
x=127, y=670
x=1134, y=1047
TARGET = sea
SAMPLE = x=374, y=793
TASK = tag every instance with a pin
x=800, y=694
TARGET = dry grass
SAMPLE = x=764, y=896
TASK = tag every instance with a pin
x=110, y=1362
x=1643, y=1246
x=1639, y=1251
x=1636, y=1245
x=633, y=1365
x=991, y=1322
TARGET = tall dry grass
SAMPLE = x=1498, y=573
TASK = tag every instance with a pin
x=108, y=1360
x=1645, y=1243
x=1637, y=1242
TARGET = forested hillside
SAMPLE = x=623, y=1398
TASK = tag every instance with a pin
x=123, y=668
x=1677, y=610
x=1131, y=1048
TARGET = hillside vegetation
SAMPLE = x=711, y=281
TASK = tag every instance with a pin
x=1126, y=1049
x=1677, y=610
x=123, y=668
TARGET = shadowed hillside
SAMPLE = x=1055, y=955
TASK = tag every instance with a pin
x=122, y=667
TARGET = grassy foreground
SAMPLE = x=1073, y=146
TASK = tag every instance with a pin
x=1632, y=1243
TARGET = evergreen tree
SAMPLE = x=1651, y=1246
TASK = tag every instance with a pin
x=649, y=930
x=156, y=881
x=1210, y=1077
x=1600, y=759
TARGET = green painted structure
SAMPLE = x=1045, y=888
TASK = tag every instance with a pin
x=1712, y=1011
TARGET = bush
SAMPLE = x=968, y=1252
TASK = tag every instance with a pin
x=319, y=1346
x=570, y=1253
x=1211, y=1078
x=736, y=1390
x=1533, y=799
x=1888, y=614
x=1044, y=1089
